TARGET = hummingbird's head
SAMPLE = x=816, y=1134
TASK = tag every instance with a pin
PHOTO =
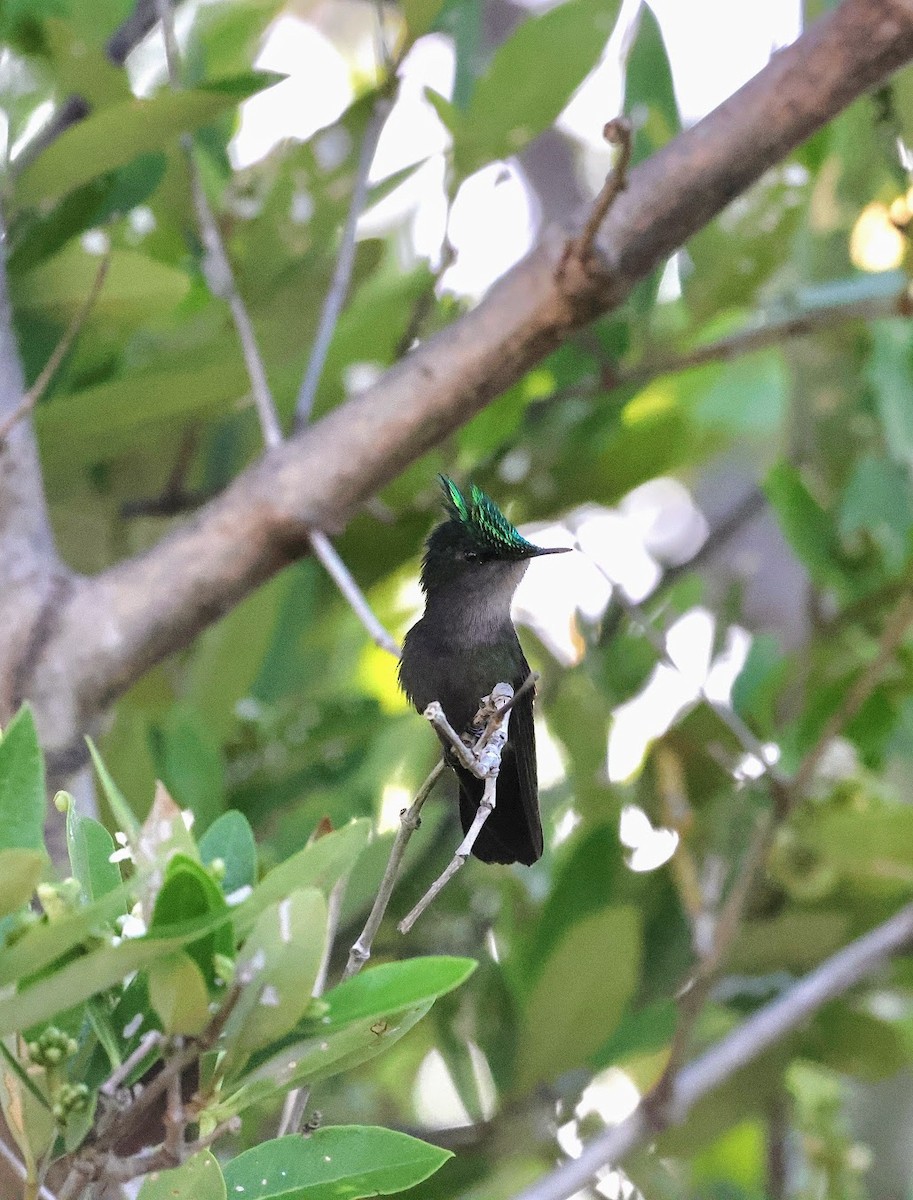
x=476, y=542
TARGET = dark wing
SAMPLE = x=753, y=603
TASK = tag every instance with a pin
x=513, y=832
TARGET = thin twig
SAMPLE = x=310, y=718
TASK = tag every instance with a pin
x=616, y=132
x=221, y=280
x=175, y=1122
x=293, y=1110
x=771, y=332
x=486, y=759
x=217, y=269
x=345, y=260
x=39, y=387
x=147, y=1044
x=133, y=1118
x=409, y=822
x=325, y=552
x=747, y=1042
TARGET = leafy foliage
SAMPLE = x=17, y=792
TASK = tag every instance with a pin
x=282, y=734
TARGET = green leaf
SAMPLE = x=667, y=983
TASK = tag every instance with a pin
x=38, y=236
x=649, y=90
x=90, y=847
x=378, y=991
x=281, y=958
x=42, y=944
x=136, y=287
x=855, y=1042
x=122, y=812
x=20, y=872
x=755, y=691
x=877, y=502
x=308, y=1060
x=22, y=798
x=890, y=370
x=121, y=132
x=318, y=865
x=794, y=940
x=200, y=1178
x=231, y=839
x=530, y=79
x=749, y=398
x=420, y=16
x=581, y=994
x=807, y=527
x=642, y=1032
x=93, y=973
x=189, y=760
x=190, y=891
x=338, y=1162
x=179, y=995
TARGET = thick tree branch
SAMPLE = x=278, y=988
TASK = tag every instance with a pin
x=747, y=1042
x=113, y=627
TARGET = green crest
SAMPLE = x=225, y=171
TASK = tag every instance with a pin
x=479, y=515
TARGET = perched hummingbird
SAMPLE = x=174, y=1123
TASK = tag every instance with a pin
x=465, y=644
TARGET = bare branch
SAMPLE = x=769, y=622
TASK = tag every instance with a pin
x=747, y=1042
x=216, y=267
x=616, y=132
x=771, y=332
x=409, y=822
x=39, y=387
x=108, y=632
x=345, y=260
x=325, y=552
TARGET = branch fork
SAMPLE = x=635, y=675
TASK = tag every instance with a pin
x=581, y=250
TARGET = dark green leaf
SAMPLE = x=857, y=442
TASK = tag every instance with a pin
x=231, y=840
x=530, y=79
x=90, y=847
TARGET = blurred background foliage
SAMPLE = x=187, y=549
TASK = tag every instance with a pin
x=797, y=453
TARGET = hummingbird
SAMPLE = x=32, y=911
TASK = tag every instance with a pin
x=466, y=643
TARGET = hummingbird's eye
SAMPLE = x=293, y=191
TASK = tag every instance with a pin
x=470, y=556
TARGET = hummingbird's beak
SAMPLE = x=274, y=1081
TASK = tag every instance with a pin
x=540, y=550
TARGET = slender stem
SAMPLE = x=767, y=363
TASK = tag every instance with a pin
x=39, y=387
x=771, y=332
x=326, y=553
x=747, y=1042
x=617, y=132
x=293, y=1111
x=409, y=822
x=216, y=266
x=345, y=260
